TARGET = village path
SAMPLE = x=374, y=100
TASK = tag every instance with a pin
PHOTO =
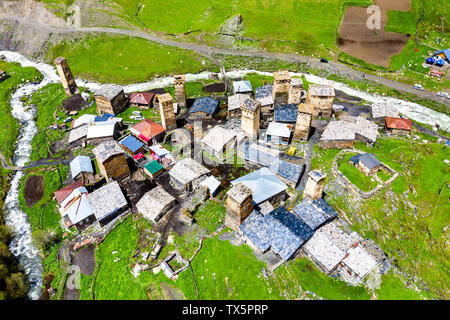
x=207, y=51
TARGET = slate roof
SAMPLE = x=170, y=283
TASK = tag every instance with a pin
x=286, y=113
x=217, y=138
x=368, y=159
x=359, y=261
x=380, y=110
x=211, y=183
x=348, y=128
x=106, y=150
x=263, y=157
x=278, y=230
x=131, y=143
x=107, y=200
x=80, y=164
x=147, y=128
x=187, y=170
x=398, y=123
x=314, y=215
x=242, y=86
x=153, y=202
x=109, y=91
x=239, y=192
x=263, y=183
x=321, y=90
x=278, y=129
x=250, y=104
x=235, y=101
x=264, y=95
x=207, y=105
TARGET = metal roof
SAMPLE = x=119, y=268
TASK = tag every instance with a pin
x=159, y=150
x=102, y=131
x=398, y=123
x=205, y=104
x=242, y=86
x=76, y=205
x=278, y=129
x=153, y=167
x=131, y=143
x=147, y=128
x=286, y=113
x=278, y=230
x=211, y=183
x=80, y=164
x=263, y=183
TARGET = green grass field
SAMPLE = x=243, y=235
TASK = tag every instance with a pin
x=363, y=182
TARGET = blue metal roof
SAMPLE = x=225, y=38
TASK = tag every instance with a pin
x=263, y=183
x=287, y=170
x=100, y=119
x=80, y=164
x=242, y=86
x=263, y=91
x=205, y=104
x=446, y=53
x=279, y=230
x=286, y=113
x=355, y=158
x=131, y=143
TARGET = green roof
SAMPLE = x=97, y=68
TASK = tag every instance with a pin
x=153, y=167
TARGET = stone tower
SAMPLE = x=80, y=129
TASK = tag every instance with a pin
x=239, y=205
x=168, y=120
x=251, y=118
x=281, y=87
x=295, y=92
x=303, y=124
x=314, y=185
x=67, y=79
x=180, y=92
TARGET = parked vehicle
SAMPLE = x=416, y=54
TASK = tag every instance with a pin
x=323, y=60
x=418, y=87
x=68, y=119
x=430, y=60
x=439, y=63
x=442, y=94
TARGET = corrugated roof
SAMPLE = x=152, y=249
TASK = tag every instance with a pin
x=263, y=183
x=131, y=143
x=61, y=194
x=148, y=128
x=159, y=150
x=153, y=167
x=211, y=183
x=207, y=105
x=286, y=113
x=76, y=206
x=242, y=86
x=398, y=123
x=80, y=164
x=102, y=131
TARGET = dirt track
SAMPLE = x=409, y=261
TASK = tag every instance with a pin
x=373, y=46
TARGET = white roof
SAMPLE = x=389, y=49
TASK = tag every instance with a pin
x=76, y=205
x=360, y=261
x=159, y=150
x=106, y=130
x=211, y=183
x=234, y=101
x=217, y=138
x=242, y=86
x=278, y=129
x=187, y=170
x=153, y=203
x=80, y=164
x=78, y=133
x=83, y=119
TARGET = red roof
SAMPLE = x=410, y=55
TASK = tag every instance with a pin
x=63, y=193
x=148, y=129
x=398, y=123
x=141, y=97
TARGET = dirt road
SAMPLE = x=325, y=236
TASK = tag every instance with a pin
x=331, y=67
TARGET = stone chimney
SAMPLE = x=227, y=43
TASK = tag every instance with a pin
x=314, y=185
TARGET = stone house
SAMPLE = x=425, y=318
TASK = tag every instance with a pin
x=108, y=202
x=250, y=118
x=379, y=112
x=278, y=133
x=111, y=160
x=166, y=110
x=367, y=163
x=110, y=99
x=239, y=205
x=148, y=132
x=203, y=108
x=281, y=87
x=264, y=96
x=100, y=133
x=76, y=210
x=81, y=169
x=141, y=99
x=180, y=90
x=321, y=97
x=187, y=174
x=303, y=122
x=66, y=76
x=155, y=204
x=314, y=185
x=243, y=87
x=234, y=105
x=217, y=141
x=295, y=93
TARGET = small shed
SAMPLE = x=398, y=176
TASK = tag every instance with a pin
x=398, y=126
x=78, y=135
x=155, y=203
x=111, y=160
x=212, y=184
x=132, y=145
x=204, y=107
x=243, y=87
x=108, y=202
x=141, y=99
x=85, y=119
x=367, y=163
x=76, y=209
x=81, y=169
x=110, y=99
x=153, y=169
x=187, y=174
x=278, y=133
x=148, y=131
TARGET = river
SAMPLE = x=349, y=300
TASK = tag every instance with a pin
x=22, y=246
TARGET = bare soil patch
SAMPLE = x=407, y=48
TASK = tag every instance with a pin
x=373, y=46
x=85, y=260
x=34, y=189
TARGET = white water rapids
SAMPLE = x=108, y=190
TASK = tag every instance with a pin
x=22, y=246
